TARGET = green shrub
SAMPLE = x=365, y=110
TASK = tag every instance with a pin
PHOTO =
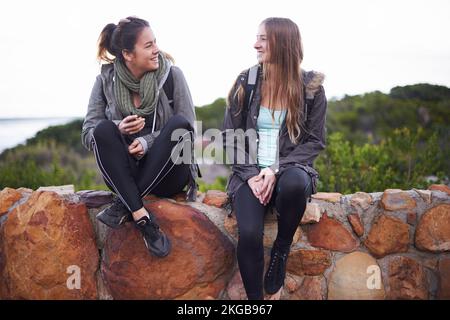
x=403, y=160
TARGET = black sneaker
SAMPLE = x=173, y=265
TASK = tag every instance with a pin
x=155, y=239
x=274, y=277
x=115, y=215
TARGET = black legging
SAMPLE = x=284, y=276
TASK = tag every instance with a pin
x=292, y=189
x=132, y=180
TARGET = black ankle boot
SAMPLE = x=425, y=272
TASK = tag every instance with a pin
x=276, y=272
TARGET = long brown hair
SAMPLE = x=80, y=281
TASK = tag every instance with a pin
x=282, y=75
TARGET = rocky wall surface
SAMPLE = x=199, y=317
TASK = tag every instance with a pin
x=387, y=245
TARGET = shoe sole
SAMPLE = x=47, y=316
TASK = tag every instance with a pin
x=275, y=296
x=124, y=219
x=272, y=292
x=158, y=255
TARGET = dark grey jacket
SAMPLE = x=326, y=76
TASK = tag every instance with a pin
x=301, y=154
x=103, y=105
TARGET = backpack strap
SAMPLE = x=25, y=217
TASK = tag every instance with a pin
x=168, y=90
x=252, y=79
x=168, y=87
x=309, y=103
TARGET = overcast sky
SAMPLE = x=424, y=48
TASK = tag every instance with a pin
x=48, y=48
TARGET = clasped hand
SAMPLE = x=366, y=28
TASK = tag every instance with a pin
x=262, y=185
x=136, y=149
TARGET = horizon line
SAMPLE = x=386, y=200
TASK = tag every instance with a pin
x=37, y=117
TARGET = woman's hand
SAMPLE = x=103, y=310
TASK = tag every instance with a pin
x=255, y=183
x=269, y=179
x=131, y=124
x=136, y=148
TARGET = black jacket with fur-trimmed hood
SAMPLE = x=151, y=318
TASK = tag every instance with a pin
x=302, y=154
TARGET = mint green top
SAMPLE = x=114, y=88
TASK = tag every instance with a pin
x=268, y=129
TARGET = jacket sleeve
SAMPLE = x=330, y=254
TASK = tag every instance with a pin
x=242, y=164
x=306, y=152
x=95, y=113
x=148, y=140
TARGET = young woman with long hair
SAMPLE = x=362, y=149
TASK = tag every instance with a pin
x=285, y=106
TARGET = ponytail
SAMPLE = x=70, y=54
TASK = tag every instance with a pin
x=105, y=49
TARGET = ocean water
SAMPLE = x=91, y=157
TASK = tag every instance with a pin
x=17, y=131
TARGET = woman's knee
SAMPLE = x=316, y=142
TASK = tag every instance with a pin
x=179, y=122
x=105, y=128
x=294, y=183
x=250, y=237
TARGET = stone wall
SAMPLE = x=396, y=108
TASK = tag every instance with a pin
x=389, y=245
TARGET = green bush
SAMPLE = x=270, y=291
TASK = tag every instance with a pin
x=45, y=163
x=211, y=115
x=401, y=161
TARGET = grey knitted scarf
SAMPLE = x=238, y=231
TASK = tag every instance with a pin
x=147, y=87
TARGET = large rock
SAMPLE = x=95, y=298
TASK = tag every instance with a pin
x=433, y=230
x=68, y=189
x=332, y=235
x=198, y=266
x=310, y=288
x=308, y=262
x=440, y=187
x=271, y=231
x=3, y=290
x=292, y=283
x=235, y=288
x=355, y=222
x=396, y=199
x=47, y=242
x=312, y=213
x=444, y=279
x=361, y=199
x=407, y=279
x=424, y=194
x=388, y=235
x=328, y=196
x=215, y=198
x=411, y=218
x=95, y=198
x=357, y=276
x=8, y=197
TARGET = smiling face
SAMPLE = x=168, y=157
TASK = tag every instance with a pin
x=262, y=45
x=144, y=56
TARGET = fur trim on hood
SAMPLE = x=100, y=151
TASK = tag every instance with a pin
x=313, y=81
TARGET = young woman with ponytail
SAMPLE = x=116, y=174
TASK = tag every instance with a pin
x=129, y=125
